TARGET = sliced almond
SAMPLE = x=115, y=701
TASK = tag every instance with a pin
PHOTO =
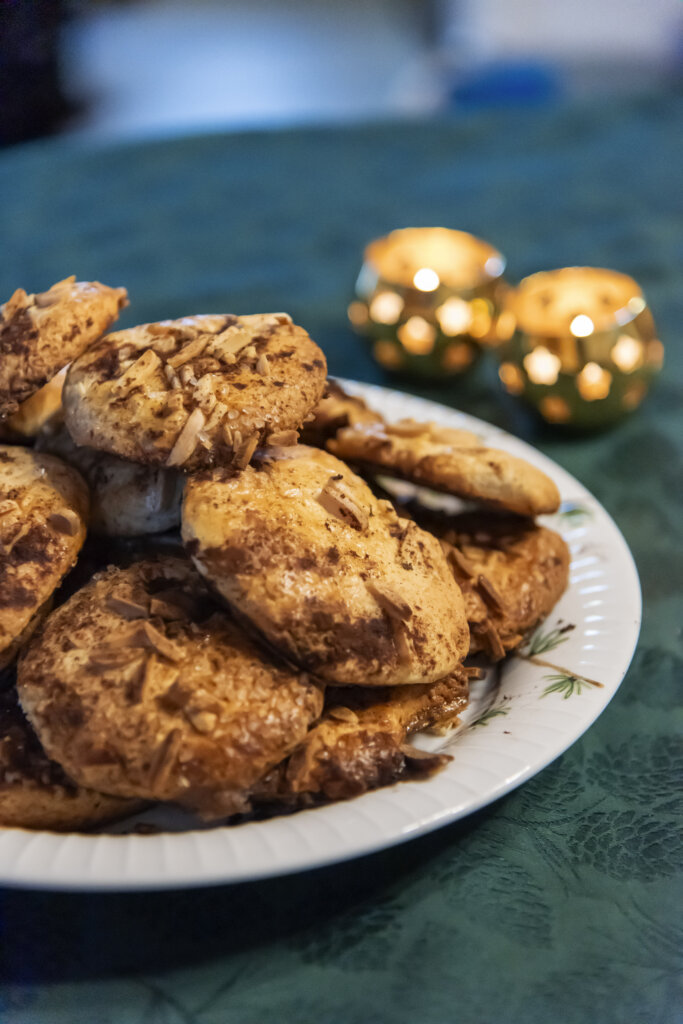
x=230, y=342
x=66, y=522
x=335, y=499
x=489, y=634
x=404, y=648
x=407, y=428
x=178, y=332
x=245, y=451
x=190, y=351
x=217, y=414
x=415, y=754
x=490, y=595
x=203, y=721
x=283, y=438
x=343, y=714
x=106, y=658
x=262, y=365
x=459, y=563
x=164, y=759
x=390, y=601
x=186, y=442
x=144, y=634
x=152, y=676
x=43, y=300
x=139, y=372
x=165, y=610
x=127, y=607
x=186, y=376
x=422, y=761
x=171, y=376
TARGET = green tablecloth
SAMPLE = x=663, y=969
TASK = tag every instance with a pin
x=558, y=903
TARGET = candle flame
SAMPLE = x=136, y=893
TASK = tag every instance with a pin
x=426, y=279
x=581, y=326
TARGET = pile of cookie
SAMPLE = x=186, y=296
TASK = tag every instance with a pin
x=207, y=597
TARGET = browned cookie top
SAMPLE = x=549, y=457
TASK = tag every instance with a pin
x=41, y=333
x=359, y=743
x=140, y=687
x=511, y=571
x=43, y=512
x=299, y=546
x=195, y=392
x=36, y=792
x=453, y=461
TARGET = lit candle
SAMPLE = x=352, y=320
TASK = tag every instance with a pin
x=428, y=298
x=579, y=344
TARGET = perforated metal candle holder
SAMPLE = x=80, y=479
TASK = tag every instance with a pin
x=428, y=299
x=579, y=344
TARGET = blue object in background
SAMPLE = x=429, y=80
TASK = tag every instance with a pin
x=508, y=83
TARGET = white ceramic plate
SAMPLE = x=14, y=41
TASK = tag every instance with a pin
x=544, y=701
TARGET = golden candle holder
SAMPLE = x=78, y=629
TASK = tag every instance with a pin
x=428, y=299
x=579, y=344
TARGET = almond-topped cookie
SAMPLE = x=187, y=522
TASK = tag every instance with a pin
x=35, y=792
x=126, y=499
x=328, y=574
x=511, y=571
x=453, y=461
x=139, y=686
x=43, y=514
x=196, y=392
x=360, y=741
x=40, y=333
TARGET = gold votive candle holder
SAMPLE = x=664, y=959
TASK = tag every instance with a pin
x=428, y=299
x=579, y=344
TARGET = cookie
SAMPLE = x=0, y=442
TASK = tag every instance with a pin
x=35, y=792
x=511, y=572
x=32, y=415
x=43, y=512
x=336, y=409
x=327, y=574
x=195, y=392
x=126, y=499
x=41, y=333
x=360, y=741
x=453, y=461
x=139, y=687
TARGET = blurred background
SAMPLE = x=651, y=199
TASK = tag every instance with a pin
x=159, y=67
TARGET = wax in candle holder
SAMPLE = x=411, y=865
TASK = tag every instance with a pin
x=428, y=299
x=579, y=344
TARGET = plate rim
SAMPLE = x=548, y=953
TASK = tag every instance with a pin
x=112, y=860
